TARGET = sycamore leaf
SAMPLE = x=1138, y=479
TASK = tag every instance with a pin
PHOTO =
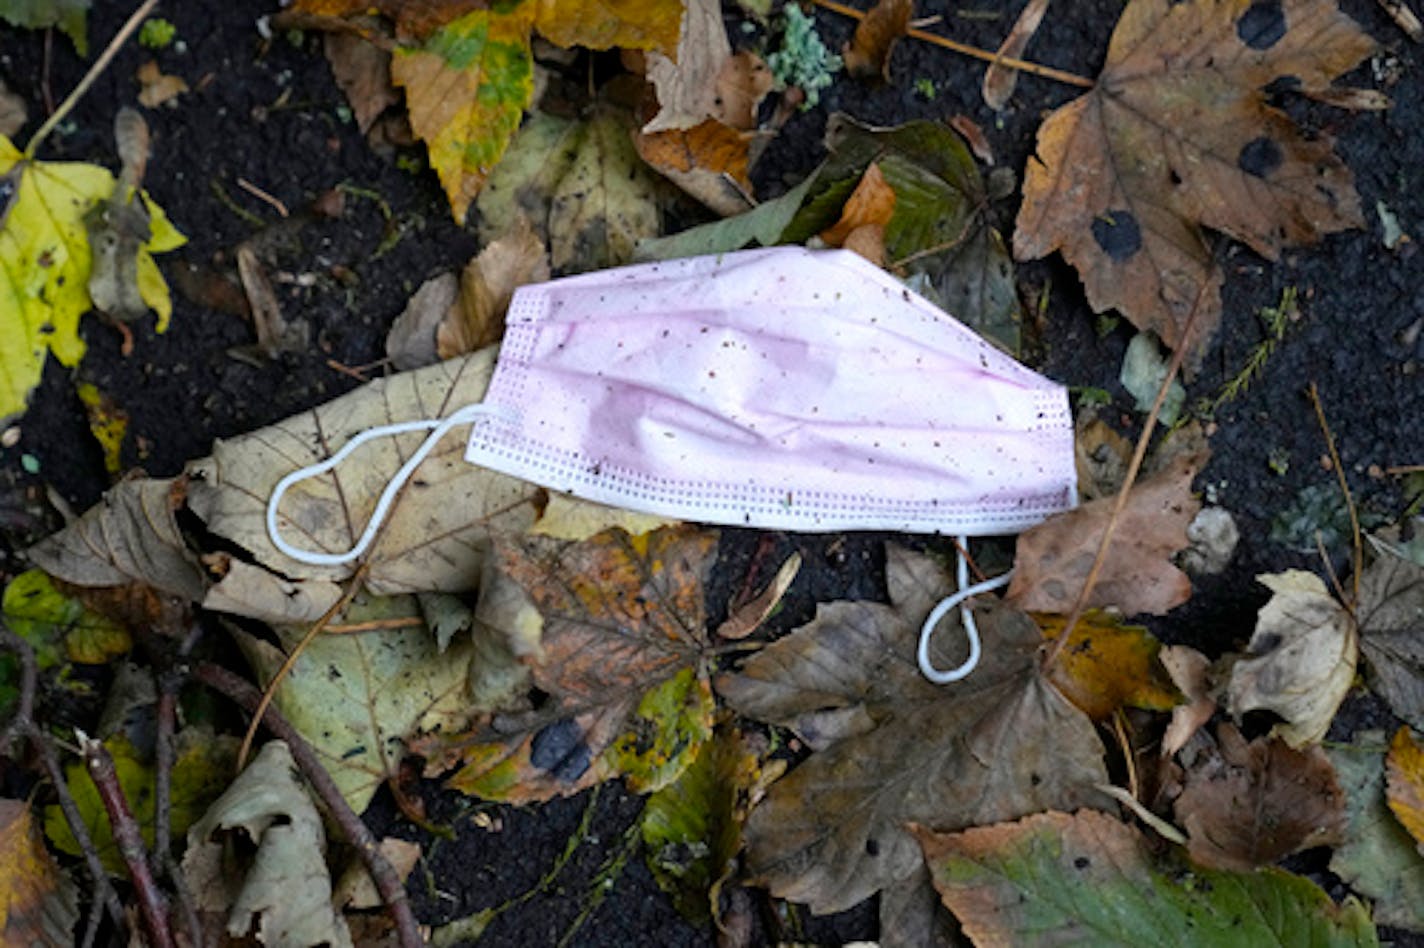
x=47, y=618
x=1391, y=614
x=45, y=263
x=1248, y=805
x=1404, y=783
x=1052, y=560
x=617, y=669
x=1107, y=665
x=899, y=749
x=357, y=696
x=1302, y=658
x=868, y=54
x=1086, y=878
x=1378, y=858
x=1176, y=136
x=37, y=900
x=282, y=890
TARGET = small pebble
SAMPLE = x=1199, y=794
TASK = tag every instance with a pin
x=10, y=437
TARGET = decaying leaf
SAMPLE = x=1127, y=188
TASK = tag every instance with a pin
x=1086, y=878
x=1107, y=665
x=54, y=623
x=868, y=53
x=487, y=284
x=363, y=72
x=411, y=342
x=899, y=749
x=522, y=185
x=1101, y=456
x=283, y=892
x=866, y=214
x=687, y=86
x=1000, y=80
x=1052, y=559
x=618, y=667
x=247, y=590
x=1302, y=662
x=1176, y=136
x=606, y=203
x=1404, y=783
x=1248, y=805
x=763, y=225
x=1188, y=670
x=709, y=161
x=1391, y=614
x=1378, y=858
x=37, y=900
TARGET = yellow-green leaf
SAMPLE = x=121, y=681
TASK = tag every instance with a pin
x=108, y=423
x=603, y=24
x=466, y=89
x=1108, y=664
x=43, y=616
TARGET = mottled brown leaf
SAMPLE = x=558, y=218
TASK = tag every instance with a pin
x=1391, y=613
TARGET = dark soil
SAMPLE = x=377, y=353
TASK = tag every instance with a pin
x=268, y=112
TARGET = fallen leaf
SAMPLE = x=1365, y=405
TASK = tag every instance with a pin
x=604, y=24
x=897, y=748
x=973, y=136
x=1177, y=135
x=247, y=590
x=742, y=83
x=1405, y=17
x=411, y=342
x=746, y=618
x=1107, y=665
x=1086, y=878
x=911, y=913
x=1248, y=805
x=1101, y=456
x=357, y=890
x=618, y=669
x=763, y=225
x=1302, y=658
x=54, y=623
x=687, y=85
x=108, y=423
x=358, y=696
x=363, y=73
x=68, y=15
x=1378, y=858
x=38, y=904
x=156, y=88
x=605, y=204
x=1188, y=670
x=487, y=285
x=1404, y=783
x=868, y=53
x=1052, y=559
x=1391, y=614
x=709, y=161
x=522, y=185
x=1000, y=80
x=871, y=204
x=283, y=892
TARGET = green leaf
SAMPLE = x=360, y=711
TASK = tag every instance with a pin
x=68, y=15
x=667, y=730
x=1086, y=878
x=762, y=225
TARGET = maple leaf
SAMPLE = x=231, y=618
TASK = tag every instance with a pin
x=897, y=748
x=1177, y=135
x=618, y=665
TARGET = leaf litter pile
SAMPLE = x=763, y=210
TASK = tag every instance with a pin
x=196, y=723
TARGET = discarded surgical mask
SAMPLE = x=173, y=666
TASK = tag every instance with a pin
x=781, y=388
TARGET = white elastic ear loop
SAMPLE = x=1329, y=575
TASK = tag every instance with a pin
x=438, y=427
x=971, y=631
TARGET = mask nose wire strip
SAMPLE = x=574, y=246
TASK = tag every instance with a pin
x=438, y=429
x=971, y=631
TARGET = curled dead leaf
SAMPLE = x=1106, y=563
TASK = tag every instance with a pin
x=868, y=53
x=1000, y=80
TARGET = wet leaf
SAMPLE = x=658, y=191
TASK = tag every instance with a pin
x=617, y=667
x=1302, y=662
x=875, y=37
x=1391, y=614
x=357, y=696
x=55, y=623
x=202, y=767
x=283, y=891
x=37, y=900
x=1404, y=783
x=1086, y=878
x=108, y=423
x=1000, y=80
x=1108, y=665
x=897, y=748
x=1248, y=805
x=1177, y=136
x=1378, y=858
x=46, y=261
x=1052, y=560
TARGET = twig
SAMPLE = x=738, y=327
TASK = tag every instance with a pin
x=1402, y=469
x=100, y=64
x=988, y=56
x=388, y=883
x=262, y=195
x=153, y=906
x=376, y=625
x=1344, y=489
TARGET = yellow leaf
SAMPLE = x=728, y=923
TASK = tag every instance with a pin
x=603, y=24
x=1107, y=665
x=37, y=904
x=1404, y=782
x=107, y=422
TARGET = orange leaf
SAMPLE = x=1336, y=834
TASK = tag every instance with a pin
x=868, y=53
x=1107, y=665
x=708, y=161
x=871, y=204
x=1404, y=783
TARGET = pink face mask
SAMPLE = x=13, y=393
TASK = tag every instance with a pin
x=781, y=388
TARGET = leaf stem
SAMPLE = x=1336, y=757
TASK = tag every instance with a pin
x=964, y=49
x=1344, y=489
x=100, y=64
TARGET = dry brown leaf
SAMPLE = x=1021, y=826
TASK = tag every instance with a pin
x=1188, y=670
x=252, y=591
x=487, y=285
x=709, y=161
x=747, y=618
x=1101, y=456
x=1108, y=665
x=1000, y=744
x=1249, y=805
x=687, y=87
x=868, y=53
x=1176, y=136
x=411, y=342
x=363, y=72
x=1404, y=15
x=1391, y=614
x=1000, y=80
x=741, y=85
x=156, y=88
x=870, y=205
x=1404, y=783
x=973, y=136
x=1302, y=658
x=1053, y=559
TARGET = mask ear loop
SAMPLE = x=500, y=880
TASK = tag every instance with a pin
x=438, y=428
x=971, y=631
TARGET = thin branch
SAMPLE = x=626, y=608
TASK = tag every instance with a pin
x=388, y=883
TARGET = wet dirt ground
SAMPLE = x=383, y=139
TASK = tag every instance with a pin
x=268, y=113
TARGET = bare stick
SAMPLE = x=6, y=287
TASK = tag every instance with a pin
x=388, y=883
x=1344, y=489
x=988, y=56
x=95, y=70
